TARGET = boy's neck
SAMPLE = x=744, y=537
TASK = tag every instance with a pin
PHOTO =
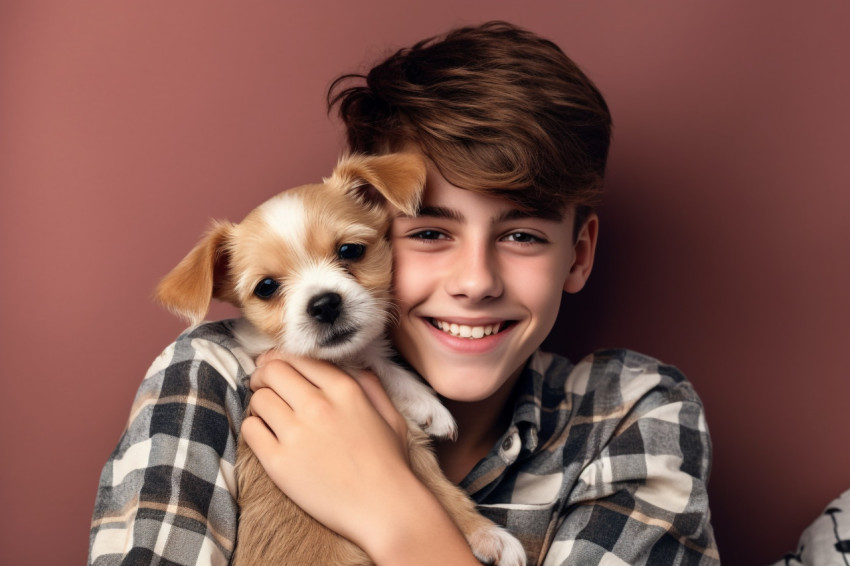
x=480, y=425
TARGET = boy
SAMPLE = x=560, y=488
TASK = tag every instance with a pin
x=601, y=462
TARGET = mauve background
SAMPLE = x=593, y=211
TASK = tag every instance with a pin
x=125, y=126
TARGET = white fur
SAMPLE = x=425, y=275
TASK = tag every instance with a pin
x=287, y=216
x=361, y=312
x=494, y=545
x=412, y=397
x=252, y=340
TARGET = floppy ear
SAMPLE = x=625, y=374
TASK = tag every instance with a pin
x=394, y=178
x=188, y=289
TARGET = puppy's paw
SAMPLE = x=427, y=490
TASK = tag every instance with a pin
x=430, y=415
x=439, y=422
x=495, y=545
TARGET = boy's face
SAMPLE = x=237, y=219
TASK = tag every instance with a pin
x=478, y=286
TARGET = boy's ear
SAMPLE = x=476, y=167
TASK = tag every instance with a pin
x=188, y=289
x=584, y=251
x=394, y=178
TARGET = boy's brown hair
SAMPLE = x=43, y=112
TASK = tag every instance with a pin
x=497, y=108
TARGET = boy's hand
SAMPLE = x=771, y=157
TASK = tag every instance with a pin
x=334, y=443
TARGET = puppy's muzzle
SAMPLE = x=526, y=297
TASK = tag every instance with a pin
x=325, y=307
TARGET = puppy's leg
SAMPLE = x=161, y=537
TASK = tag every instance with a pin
x=490, y=543
x=414, y=399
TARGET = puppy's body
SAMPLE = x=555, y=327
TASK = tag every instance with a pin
x=311, y=271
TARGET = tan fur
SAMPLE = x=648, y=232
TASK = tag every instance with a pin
x=188, y=289
x=355, y=204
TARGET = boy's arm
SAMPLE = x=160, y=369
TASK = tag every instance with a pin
x=643, y=499
x=168, y=490
x=338, y=447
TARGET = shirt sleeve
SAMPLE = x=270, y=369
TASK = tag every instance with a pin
x=167, y=494
x=642, y=498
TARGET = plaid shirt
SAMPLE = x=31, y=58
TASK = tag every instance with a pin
x=605, y=461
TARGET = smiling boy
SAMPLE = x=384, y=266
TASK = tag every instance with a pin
x=478, y=284
x=600, y=462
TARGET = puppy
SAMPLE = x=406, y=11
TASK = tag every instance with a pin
x=310, y=270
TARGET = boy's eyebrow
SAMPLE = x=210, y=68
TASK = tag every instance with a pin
x=440, y=212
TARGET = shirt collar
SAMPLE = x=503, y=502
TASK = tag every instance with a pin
x=529, y=399
x=529, y=428
x=540, y=395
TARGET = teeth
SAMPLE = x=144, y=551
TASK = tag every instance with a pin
x=465, y=331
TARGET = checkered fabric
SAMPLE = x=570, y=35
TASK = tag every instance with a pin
x=605, y=462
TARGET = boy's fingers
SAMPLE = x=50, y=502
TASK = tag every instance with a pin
x=320, y=373
x=376, y=394
x=270, y=355
x=277, y=375
x=374, y=390
x=272, y=409
x=257, y=435
x=296, y=379
x=281, y=379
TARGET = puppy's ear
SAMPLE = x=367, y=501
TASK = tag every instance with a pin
x=188, y=289
x=394, y=178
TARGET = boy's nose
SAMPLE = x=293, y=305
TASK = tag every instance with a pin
x=476, y=275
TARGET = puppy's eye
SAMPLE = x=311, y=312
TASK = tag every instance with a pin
x=266, y=288
x=351, y=252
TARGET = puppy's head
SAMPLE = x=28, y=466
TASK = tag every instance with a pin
x=310, y=268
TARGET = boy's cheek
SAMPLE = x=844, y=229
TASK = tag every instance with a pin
x=410, y=275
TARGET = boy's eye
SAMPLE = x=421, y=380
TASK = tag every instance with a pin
x=428, y=235
x=522, y=238
x=266, y=288
x=351, y=252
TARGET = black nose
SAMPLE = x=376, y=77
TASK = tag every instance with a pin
x=325, y=308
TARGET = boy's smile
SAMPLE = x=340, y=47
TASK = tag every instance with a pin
x=478, y=285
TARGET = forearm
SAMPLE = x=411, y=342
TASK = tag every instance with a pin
x=415, y=530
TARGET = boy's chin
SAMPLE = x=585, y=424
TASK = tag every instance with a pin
x=472, y=385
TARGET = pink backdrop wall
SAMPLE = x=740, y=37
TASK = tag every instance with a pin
x=125, y=126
